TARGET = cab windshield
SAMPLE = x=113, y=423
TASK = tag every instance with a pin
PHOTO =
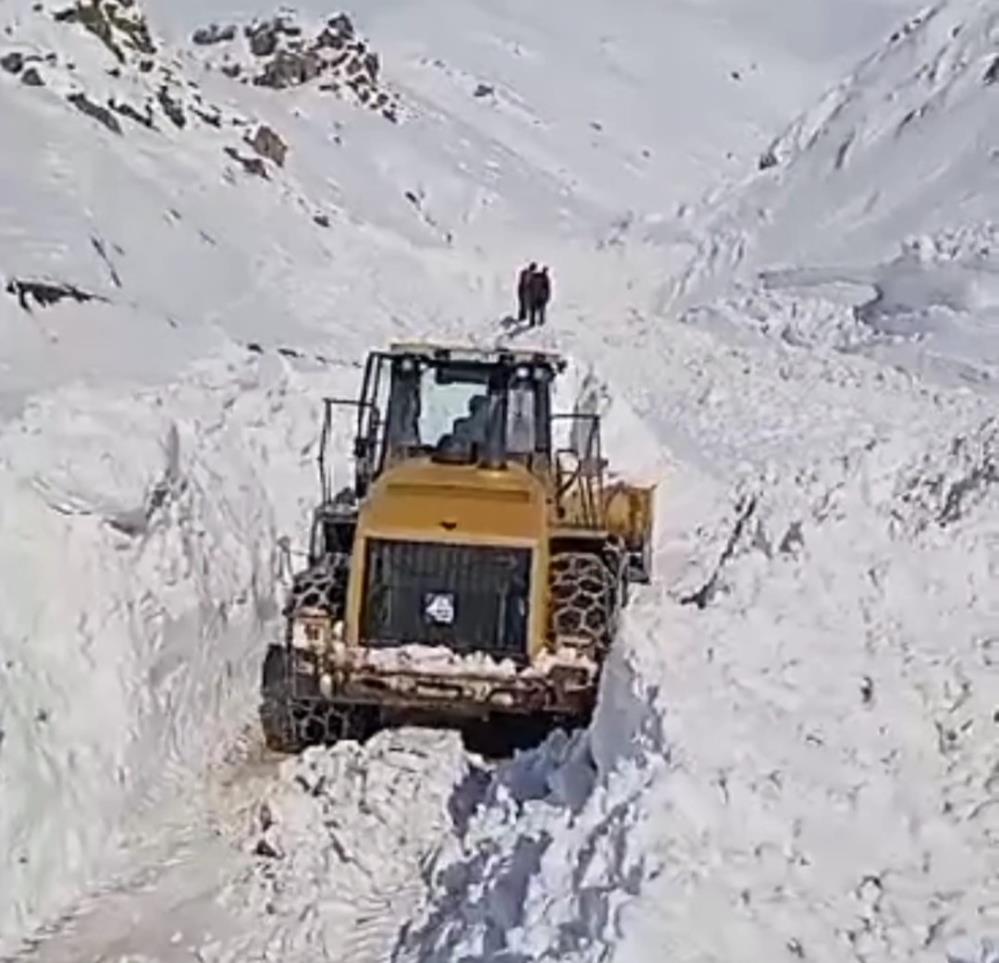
x=458, y=409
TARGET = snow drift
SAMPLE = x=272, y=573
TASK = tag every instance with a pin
x=162, y=507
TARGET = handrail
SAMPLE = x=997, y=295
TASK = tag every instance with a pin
x=324, y=437
x=590, y=482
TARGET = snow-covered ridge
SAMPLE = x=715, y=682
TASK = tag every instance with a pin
x=206, y=213
x=898, y=148
x=144, y=82
x=876, y=207
x=944, y=53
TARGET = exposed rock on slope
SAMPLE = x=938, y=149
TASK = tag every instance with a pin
x=279, y=53
x=106, y=60
x=118, y=24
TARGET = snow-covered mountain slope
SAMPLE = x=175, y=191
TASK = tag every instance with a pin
x=902, y=146
x=184, y=238
x=592, y=101
x=794, y=751
x=879, y=201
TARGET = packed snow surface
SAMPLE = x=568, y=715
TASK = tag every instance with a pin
x=773, y=233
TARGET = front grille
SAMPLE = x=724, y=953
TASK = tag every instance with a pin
x=470, y=598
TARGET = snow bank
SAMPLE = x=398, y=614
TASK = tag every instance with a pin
x=140, y=584
x=551, y=855
x=832, y=729
x=933, y=308
x=825, y=690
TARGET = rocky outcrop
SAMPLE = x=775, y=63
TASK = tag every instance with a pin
x=268, y=144
x=118, y=24
x=127, y=110
x=171, y=107
x=138, y=87
x=101, y=114
x=280, y=53
x=21, y=64
x=12, y=62
x=213, y=33
x=251, y=165
x=45, y=293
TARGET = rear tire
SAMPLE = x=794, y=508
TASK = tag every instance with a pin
x=585, y=598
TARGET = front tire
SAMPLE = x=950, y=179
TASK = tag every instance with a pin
x=585, y=598
x=294, y=714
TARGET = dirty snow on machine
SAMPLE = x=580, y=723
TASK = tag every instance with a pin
x=474, y=573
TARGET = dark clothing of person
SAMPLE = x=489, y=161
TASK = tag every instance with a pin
x=539, y=291
x=523, y=286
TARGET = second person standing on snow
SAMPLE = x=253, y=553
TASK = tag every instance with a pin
x=539, y=292
x=523, y=284
x=534, y=290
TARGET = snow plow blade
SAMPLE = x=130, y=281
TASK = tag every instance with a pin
x=564, y=688
x=314, y=699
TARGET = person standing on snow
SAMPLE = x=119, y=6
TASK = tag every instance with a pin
x=538, y=295
x=523, y=289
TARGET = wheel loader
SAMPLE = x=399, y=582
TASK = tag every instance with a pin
x=473, y=574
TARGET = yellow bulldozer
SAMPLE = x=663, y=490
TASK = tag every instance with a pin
x=473, y=575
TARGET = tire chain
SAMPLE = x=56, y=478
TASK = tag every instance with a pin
x=322, y=586
x=584, y=598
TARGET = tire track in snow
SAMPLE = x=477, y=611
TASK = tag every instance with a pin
x=173, y=882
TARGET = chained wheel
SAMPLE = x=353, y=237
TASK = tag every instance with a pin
x=584, y=598
x=294, y=715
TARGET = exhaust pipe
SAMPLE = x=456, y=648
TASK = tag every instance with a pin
x=494, y=449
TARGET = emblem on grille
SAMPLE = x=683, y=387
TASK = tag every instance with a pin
x=438, y=608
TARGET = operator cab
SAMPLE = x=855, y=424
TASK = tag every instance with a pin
x=457, y=407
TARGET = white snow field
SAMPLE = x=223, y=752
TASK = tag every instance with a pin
x=773, y=232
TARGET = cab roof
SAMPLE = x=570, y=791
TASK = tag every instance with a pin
x=432, y=351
